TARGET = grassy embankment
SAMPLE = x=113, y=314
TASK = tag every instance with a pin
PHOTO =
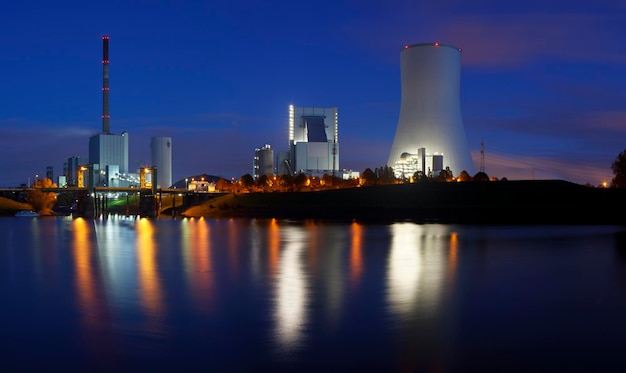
x=510, y=202
x=10, y=207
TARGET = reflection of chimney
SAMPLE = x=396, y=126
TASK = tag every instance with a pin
x=105, y=84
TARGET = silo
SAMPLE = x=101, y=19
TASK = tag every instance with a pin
x=430, y=110
x=263, y=162
x=161, y=149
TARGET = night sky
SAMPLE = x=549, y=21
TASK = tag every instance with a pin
x=543, y=86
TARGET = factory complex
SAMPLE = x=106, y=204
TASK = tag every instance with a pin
x=429, y=136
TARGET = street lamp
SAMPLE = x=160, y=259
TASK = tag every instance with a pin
x=186, y=184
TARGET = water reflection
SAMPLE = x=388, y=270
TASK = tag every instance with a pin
x=94, y=313
x=356, y=253
x=85, y=282
x=196, y=248
x=291, y=290
x=292, y=294
x=416, y=268
x=150, y=292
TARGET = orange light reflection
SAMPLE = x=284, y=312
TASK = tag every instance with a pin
x=149, y=286
x=85, y=280
x=356, y=257
x=274, y=246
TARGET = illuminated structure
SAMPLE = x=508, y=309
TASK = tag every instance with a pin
x=313, y=142
x=108, y=153
x=430, y=114
x=263, y=163
x=161, y=150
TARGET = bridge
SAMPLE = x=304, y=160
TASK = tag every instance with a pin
x=95, y=202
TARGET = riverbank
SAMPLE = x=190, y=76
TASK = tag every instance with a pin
x=503, y=202
x=9, y=207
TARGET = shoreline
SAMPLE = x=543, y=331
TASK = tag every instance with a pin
x=504, y=202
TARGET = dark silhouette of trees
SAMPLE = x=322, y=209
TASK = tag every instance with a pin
x=285, y=182
x=445, y=175
x=385, y=175
x=368, y=177
x=464, y=176
x=300, y=181
x=246, y=181
x=481, y=176
x=328, y=181
x=619, y=170
x=264, y=182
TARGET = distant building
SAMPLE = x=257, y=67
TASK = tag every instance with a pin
x=71, y=174
x=313, y=141
x=263, y=163
x=161, y=149
x=50, y=173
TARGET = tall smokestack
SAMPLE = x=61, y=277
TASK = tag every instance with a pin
x=105, y=84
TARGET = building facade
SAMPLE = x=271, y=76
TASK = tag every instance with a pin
x=313, y=141
x=108, y=159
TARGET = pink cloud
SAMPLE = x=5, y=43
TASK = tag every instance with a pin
x=521, y=39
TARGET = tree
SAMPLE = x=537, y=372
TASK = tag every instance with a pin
x=285, y=182
x=368, y=177
x=223, y=185
x=264, y=182
x=481, y=176
x=327, y=181
x=42, y=202
x=445, y=175
x=301, y=180
x=464, y=176
x=246, y=181
x=619, y=170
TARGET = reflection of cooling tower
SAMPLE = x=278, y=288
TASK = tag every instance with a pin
x=430, y=112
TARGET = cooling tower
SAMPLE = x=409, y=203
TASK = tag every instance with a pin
x=430, y=111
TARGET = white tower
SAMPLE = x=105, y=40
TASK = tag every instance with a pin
x=430, y=110
x=161, y=149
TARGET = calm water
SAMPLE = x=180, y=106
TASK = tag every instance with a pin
x=129, y=294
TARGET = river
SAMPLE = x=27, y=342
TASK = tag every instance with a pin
x=238, y=295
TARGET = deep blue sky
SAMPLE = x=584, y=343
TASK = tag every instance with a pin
x=544, y=86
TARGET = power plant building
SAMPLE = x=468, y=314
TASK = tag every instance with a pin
x=263, y=163
x=313, y=141
x=430, y=135
x=108, y=158
x=161, y=150
x=108, y=153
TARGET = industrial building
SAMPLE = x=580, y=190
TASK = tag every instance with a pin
x=71, y=170
x=161, y=150
x=430, y=135
x=313, y=142
x=263, y=163
x=108, y=153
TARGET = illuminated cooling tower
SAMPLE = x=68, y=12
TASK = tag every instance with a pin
x=430, y=112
